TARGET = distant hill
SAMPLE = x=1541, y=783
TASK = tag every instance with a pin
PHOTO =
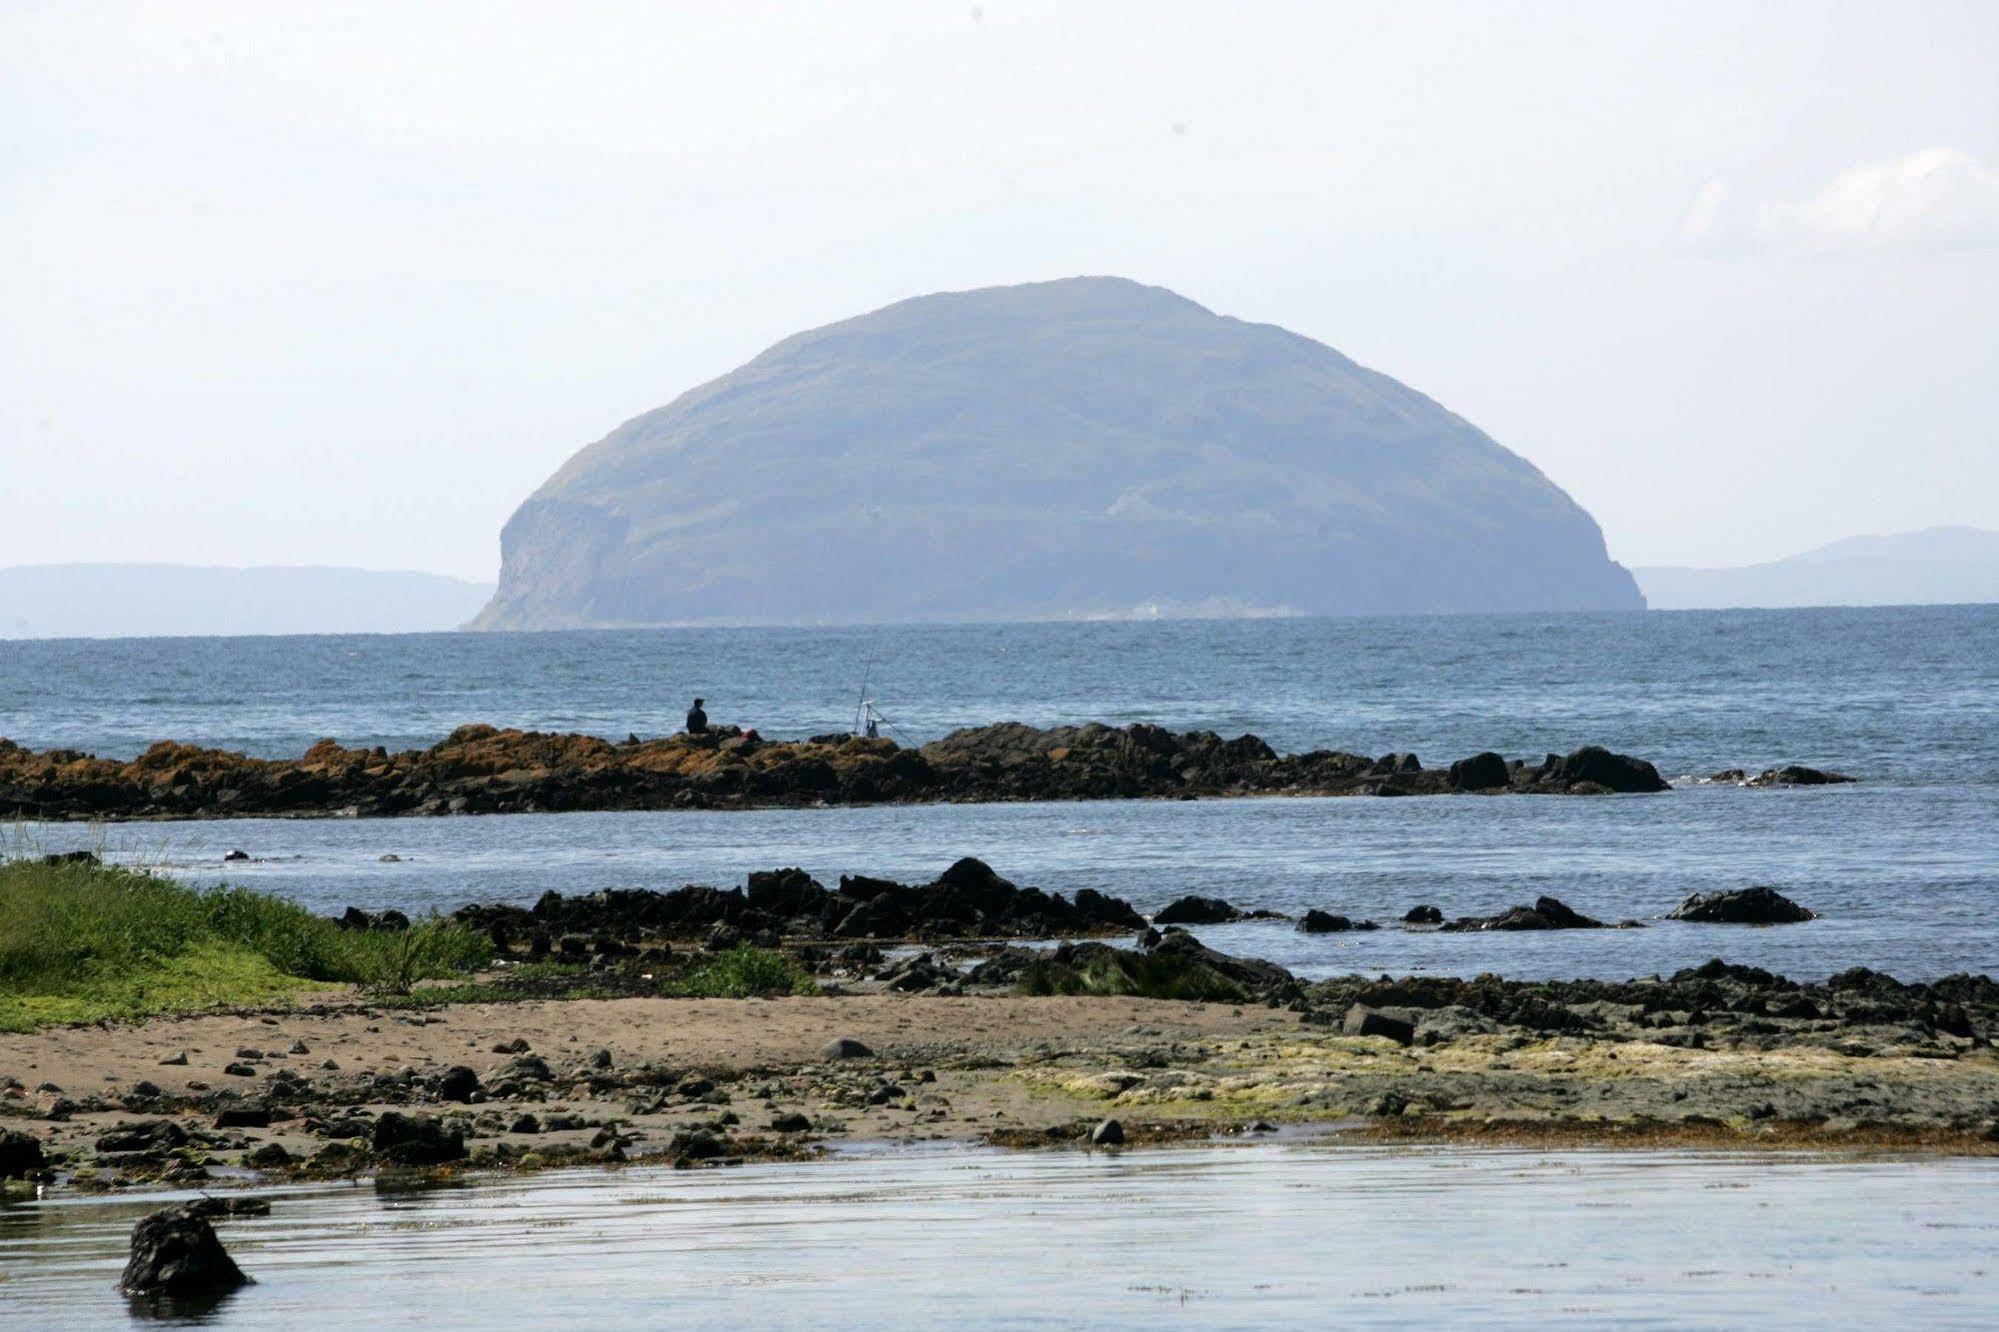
x=146, y=600
x=1083, y=447
x=1933, y=567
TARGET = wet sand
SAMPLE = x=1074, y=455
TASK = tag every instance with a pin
x=699, y=1080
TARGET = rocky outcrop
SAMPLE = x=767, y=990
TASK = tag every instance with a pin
x=175, y=1254
x=1325, y=922
x=968, y=900
x=1794, y=774
x=1035, y=451
x=1742, y=906
x=1196, y=910
x=1547, y=913
x=479, y=769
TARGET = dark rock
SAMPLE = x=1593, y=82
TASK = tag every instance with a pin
x=1793, y=774
x=1480, y=772
x=525, y=1123
x=459, y=1083
x=1364, y=1021
x=845, y=1047
x=21, y=1154
x=416, y=1140
x=696, y=1145
x=243, y=1116
x=1193, y=910
x=71, y=858
x=1596, y=767
x=791, y=1123
x=1742, y=906
x=1423, y=915
x=152, y=1135
x=270, y=1156
x=1547, y=913
x=1322, y=922
x=175, y=1253
x=236, y=855
x=1109, y=1133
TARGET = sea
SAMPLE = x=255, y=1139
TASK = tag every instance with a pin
x=1902, y=866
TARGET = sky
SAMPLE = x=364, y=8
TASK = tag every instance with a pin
x=342, y=284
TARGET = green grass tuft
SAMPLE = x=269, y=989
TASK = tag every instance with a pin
x=742, y=973
x=81, y=942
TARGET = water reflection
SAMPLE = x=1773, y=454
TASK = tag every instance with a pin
x=1267, y=1235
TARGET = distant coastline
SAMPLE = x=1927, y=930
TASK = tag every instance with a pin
x=183, y=600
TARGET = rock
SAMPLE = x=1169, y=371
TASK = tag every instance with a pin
x=1759, y=905
x=178, y=1059
x=525, y=1123
x=1321, y=922
x=1480, y=772
x=515, y=1046
x=459, y=1083
x=845, y=1047
x=243, y=1116
x=1193, y=910
x=1110, y=1133
x=175, y=1253
x=236, y=855
x=600, y=1059
x=695, y=1145
x=1423, y=915
x=1364, y=1021
x=214, y=1207
x=416, y=1140
x=55, y=858
x=1389, y=764
x=239, y=1070
x=21, y=1154
x=1547, y=913
x=1597, y=767
x=1792, y=774
x=270, y=1156
x=152, y=1135
x=791, y=1123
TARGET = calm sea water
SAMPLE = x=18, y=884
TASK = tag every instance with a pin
x=1265, y=1236
x=1904, y=867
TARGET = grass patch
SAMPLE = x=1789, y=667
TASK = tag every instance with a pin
x=1117, y=971
x=741, y=973
x=81, y=942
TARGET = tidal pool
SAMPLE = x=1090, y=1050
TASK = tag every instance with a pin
x=1276, y=1234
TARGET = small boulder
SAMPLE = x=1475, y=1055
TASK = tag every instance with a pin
x=416, y=1140
x=1195, y=910
x=20, y=1154
x=1795, y=774
x=1364, y=1021
x=1110, y=1133
x=791, y=1123
x=1759, y=905
x=175, y=1253
x=459, y=1083
x=1480, y=772
x=1324, y=922
x=845, y=1047
x=1423, y=915
x=270, y=1156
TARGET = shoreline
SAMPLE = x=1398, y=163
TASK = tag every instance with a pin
x=350, y=1088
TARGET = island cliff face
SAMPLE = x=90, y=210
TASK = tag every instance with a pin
x=1082, y=447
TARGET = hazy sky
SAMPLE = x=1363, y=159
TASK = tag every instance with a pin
x=342, y=284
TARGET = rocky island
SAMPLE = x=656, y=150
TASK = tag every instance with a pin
x=482, y=770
